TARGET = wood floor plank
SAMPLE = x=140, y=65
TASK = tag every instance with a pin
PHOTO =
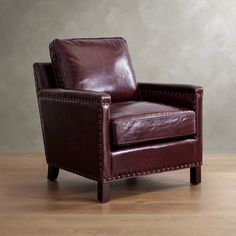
x=164, y=204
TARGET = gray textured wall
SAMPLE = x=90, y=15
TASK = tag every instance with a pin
x=179, y=41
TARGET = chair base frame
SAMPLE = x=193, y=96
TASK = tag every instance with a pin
x=104, y=188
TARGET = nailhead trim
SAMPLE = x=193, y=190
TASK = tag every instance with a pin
x=43, y=132
x=93, y=103
x=73, y=170
x=167, y=92
x=175, y=94
x=171, y=93
x=148, y=172
x=109, y=179
x=40, y=112
x=71, y=99
x=100, y=142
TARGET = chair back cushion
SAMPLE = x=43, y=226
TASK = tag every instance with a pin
x=98, y=64
x=44, y=76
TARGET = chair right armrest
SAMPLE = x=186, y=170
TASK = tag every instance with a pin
x=175, y=94
x=189, y=96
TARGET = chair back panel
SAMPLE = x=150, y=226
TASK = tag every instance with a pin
x=97, y=64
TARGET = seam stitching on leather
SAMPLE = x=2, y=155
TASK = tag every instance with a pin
x=195, y=95
x=128, y=141
x=61, y=81
x=151, y=115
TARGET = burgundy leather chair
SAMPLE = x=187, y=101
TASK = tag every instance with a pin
x=98, y=122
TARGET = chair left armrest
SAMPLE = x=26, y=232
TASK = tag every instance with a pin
x=75, y=127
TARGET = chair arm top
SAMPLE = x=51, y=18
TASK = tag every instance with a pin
x=181, y=89
x=91, y=97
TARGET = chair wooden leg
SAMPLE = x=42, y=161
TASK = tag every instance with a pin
x=195, y=175
x=52, y=173
x=103, y=192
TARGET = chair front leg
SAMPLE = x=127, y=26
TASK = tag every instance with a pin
x=103, y=191
x=195, y=175
x=52, y=173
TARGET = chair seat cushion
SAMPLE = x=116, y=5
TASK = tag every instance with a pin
x=133, y=122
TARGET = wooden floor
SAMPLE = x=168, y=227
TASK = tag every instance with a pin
x=164, y=204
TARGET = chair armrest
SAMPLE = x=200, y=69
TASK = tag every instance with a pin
x=185, y=89
x=75, y=127
x=77, y=95
x=189, y=96
x=175, y=94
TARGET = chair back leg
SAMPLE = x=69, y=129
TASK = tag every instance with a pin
x=195, y=175
x=52, y=173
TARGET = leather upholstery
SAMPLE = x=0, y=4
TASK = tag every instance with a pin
x=133, y=122
x=80, y=126
x=181, y=94
x=189, y=96
x=102, y=65
x=113, y=164
x=44, y=77
x=75, y=127
x=153, y=158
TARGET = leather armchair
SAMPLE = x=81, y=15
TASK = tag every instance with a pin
x=107, y=136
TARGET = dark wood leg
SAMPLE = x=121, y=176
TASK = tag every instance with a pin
x=195, y=175
x=52, y=173
x=103, y=191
